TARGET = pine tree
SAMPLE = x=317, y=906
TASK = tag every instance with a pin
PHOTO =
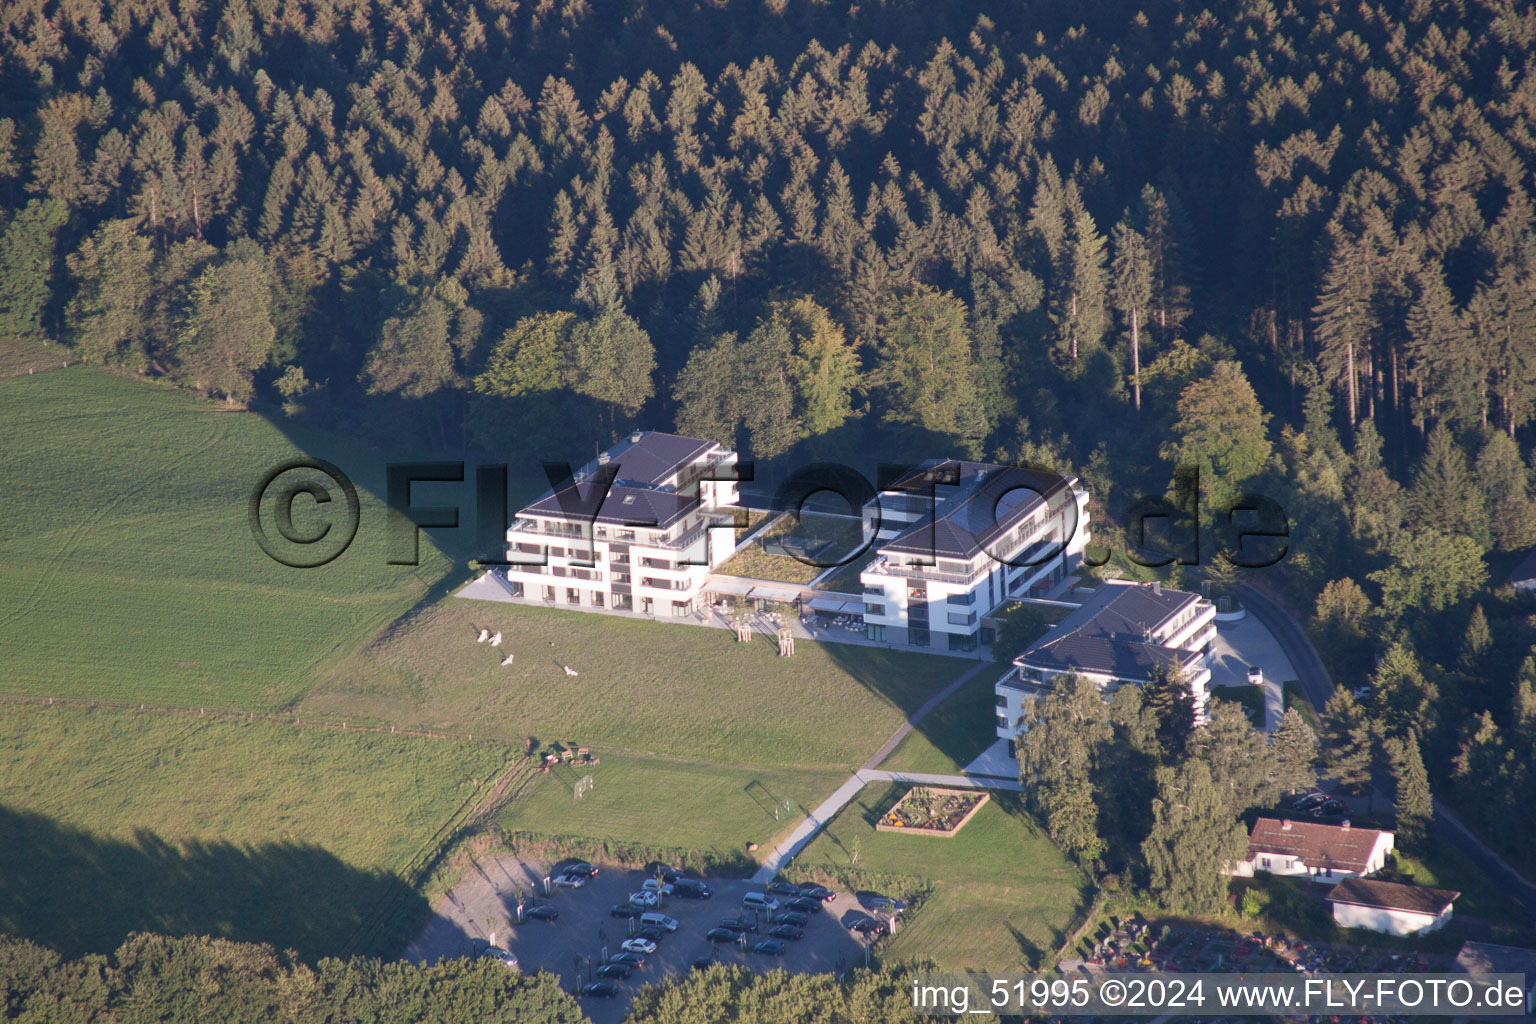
x=1415, y=806
x=1082, y=306
x=1167, y=695
x=1295, y=753
x=1132, y=271
x=927, y=362
x=1444, y=498
x=824, y=366
x=26, y=267
x=1346, y=742
x=1475, y=643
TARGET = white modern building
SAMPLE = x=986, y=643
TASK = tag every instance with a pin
x=638, y=529
x=956, y=540
x=1120, y=635
x=1310, y=849
x=1389, y=907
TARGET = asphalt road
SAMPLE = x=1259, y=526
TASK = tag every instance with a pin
x=1318, y=685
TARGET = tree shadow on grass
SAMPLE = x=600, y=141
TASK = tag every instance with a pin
x=82, y=893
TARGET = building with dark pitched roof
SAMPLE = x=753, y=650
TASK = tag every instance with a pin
x=1323, y=853
x=1121, y=635
x=637, y=529
x=956, y=540
x=1390, y=907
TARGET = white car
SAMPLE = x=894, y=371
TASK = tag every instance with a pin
x=642, y=946
x=651, y=885
x=505, y=956
x=570, y=881
x=645, y=898
x=1255, y=675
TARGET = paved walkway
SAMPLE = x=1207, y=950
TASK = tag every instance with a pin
x=828, y=809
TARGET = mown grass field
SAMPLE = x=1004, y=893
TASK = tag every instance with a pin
x=127, y=565
x=662, y=802
x=953, y=734
x=113, y=821
x=644, y=687
x=1004, y=895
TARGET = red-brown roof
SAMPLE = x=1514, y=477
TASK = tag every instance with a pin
x=1417, y=899
x=1335, y=847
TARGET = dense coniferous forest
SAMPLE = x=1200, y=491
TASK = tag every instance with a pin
x=1289, y=243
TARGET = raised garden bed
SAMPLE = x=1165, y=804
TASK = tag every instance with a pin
x=932, y=811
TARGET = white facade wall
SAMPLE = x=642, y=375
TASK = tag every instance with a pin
x=1388, y=922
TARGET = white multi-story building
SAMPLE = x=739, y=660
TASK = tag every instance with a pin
x=647, y=543
x=956, y=540
x=1122, y=634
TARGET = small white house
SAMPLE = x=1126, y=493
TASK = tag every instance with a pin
x=1523, y=577
x=1390, y=908
x=1324, y=853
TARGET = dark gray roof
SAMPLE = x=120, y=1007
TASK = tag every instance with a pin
x=623, y=505
x=986, y=503
x=1367, y=892
x=654, y=457
x=1526, y=570
x=1107, y=634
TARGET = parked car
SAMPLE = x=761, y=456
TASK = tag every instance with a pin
x=1310, y=801
x=543, y=912
x=721, y=935
x=738, y=924
x=786, y=931
x=626, y=957
x=887, y=904
x=783, y=888
x=638, y=945
x=569, y=880
x=702, y=963
x=651, y=885
x=805, y=904
x=581, y=868
x=645, y=898
x=772, y=947
x=1255, y=675
x=793, y=917
x=818, y=892
x=505, y=956
x=625, y=910
x=615, y=971
x=868, y=926
x=1328, y=809
x=651, y=932
x=759, y=901
x=600, y=989
x=662, y=921
x=692, y=889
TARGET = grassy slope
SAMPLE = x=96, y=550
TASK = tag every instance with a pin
x=644, y=687
x=120, y=820
x=661, y=802
x=1003, y=893
x=953, y=734
x=127, y=564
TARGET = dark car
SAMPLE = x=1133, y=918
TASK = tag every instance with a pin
x=691, y=889
x=600, y=989
x=545, y=912
x=626, y=957
x=818, y=892
x=1328, y=809
x=793, y=917
x=721, y=935
x=738, y=924
x=786, y=931
x=702, y=963
x=868, y=926
x=785, y=889
x=615, y=970
x=805, y=904
x=1311, y=800
x=581, y=867
x=650, y=932
x=772, y=947
x=625, y=910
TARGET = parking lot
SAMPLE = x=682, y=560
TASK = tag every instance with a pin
x=575, y=943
